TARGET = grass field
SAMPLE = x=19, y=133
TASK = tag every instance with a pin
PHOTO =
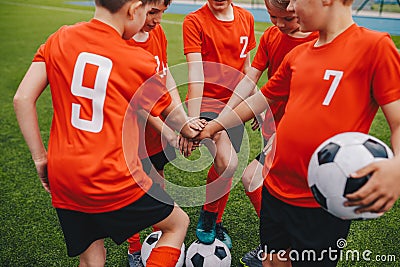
x=30, y=234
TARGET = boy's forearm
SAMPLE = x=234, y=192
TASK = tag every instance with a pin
x=195, y=94
x=30, y=88
x=195, y=83
x=175, y=118
x=245, y=88
x=28, y=122
x=172, y=89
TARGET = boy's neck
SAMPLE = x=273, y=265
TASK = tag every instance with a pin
x=340, y=21
x=141, y=36
x=223, y=15
x=103, y=15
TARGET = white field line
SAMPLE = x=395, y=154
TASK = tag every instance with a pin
x=64, y=9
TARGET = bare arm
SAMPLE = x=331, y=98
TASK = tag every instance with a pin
x=29, y=90
x=175, y=118
x=172, y=89
x=242, y=113
x=160, y=127
x=245, y=88
x=383, y=188
x=247, y=63
x=196, y=83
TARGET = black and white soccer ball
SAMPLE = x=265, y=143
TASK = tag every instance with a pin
x=150, y=242
x=331, y=165
x=216, y=254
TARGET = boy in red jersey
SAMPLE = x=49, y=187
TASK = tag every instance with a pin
x=220, y=33
x=160, y=140
x=96, y=190
x=334, y=84
x=274, y=44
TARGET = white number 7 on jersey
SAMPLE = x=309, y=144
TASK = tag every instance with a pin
x=332, y=89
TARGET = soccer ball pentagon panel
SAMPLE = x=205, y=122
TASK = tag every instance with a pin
x=331, y=165
x=216, y=254
x=150, y=242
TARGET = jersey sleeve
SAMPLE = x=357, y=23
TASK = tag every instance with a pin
x=164, y=42
x=153, y=96
x=277, y=87
x=385, y=83
x=39, y=56
x=191, y=35
x=261, y=59
x=252, y=38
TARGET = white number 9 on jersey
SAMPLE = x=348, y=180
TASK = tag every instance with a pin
x=97, y=94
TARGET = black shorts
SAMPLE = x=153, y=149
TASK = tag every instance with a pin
x=82, y=229
x=313, y=235
x=159, y=160
x=235, y=133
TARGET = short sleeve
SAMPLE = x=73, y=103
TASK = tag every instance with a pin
x=153, y=96
x=278, y=86
x=39, y=56
x=385, y=83
x=252, y=38
x=261, y=59
x=192, y=31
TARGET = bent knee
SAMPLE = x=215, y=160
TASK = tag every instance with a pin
x=246, y=180
x=226, y=163
x=181, y=220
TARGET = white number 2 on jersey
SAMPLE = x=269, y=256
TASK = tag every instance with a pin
x=97, y=94
x=245, y=41
x=337, y=76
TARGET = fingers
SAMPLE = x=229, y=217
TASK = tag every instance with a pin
x=197, y=124
x=41, y=168
x=380, y=192
x=254, y=124
x=45, y=184
x=366, y=191
x=186, y=146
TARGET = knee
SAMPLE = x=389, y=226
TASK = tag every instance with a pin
x=94, y=256
x=182, y=221
x=185, y=221
x=92, y=262
x=247, y=177
x=226, y=164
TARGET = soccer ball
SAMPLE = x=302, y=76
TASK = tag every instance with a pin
x=150, y=242
x=331, y=165
x=216, y=254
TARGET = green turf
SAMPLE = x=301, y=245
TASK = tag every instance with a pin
x=30, y=234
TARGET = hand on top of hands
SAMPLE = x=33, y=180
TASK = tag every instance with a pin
x=186, y=143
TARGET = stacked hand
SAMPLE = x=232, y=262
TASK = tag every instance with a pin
x=187, y=144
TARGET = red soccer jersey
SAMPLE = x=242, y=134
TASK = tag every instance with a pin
x=273, y=47
x=334, y=88
x=156, y=44
x=92, y=85
x=225, y=42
